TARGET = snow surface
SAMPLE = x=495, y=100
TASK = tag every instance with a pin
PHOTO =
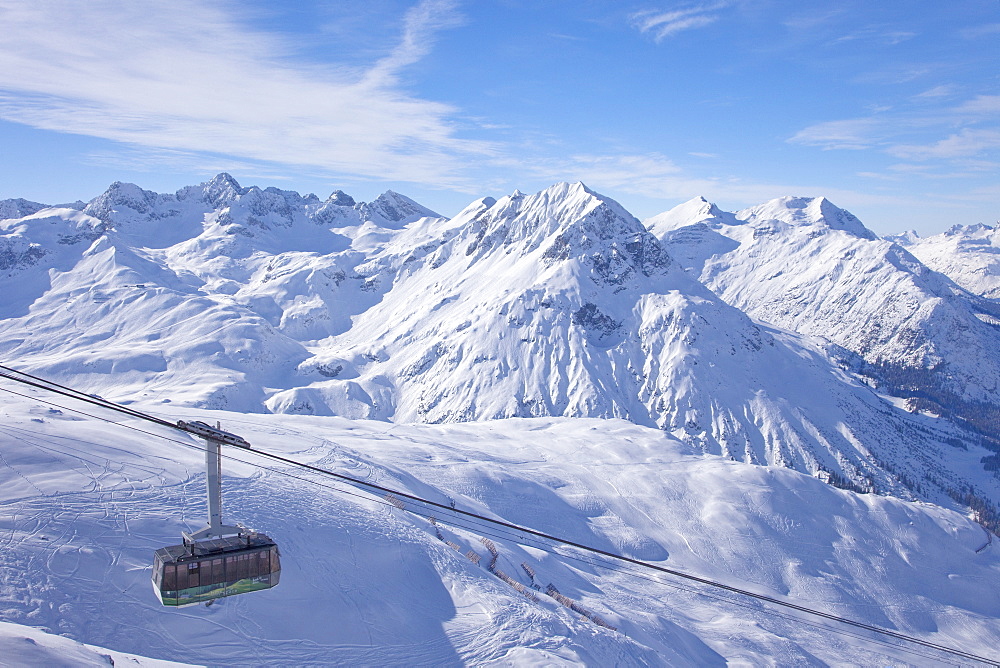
x=543, y=358
x=25, y=646
x=83, y=504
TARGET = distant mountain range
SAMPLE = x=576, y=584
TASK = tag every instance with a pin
x=808, y=266
x=967, y=254
x=786, y=334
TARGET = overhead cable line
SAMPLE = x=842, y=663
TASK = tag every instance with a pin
x=43, y=384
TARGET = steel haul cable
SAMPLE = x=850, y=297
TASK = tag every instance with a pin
x=43, y=384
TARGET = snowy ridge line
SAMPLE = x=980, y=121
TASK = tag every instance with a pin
x=43, y=384
x=748, y=606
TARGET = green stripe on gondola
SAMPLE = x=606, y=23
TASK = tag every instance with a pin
x=210, y=592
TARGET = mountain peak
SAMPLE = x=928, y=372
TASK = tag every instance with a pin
x=960, y=230
x=474, y=210
x=221, y=189
x=224, y=179
x=567, y=220
x=120, y=195
x=390, y=209
x=19, y=208
x=904, y=238
x=340, y=198
x=564, y=203
x=695, y=210
x=801, y=211
x=574, y=189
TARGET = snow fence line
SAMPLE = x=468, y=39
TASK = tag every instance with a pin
x=550, y=590
x=989, y=540
x=519, y=587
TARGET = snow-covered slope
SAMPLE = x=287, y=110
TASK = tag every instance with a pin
x=805, y=265
x=967, y=254
x=27, y=646
x=83, y=504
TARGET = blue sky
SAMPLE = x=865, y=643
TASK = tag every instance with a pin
x=891, y=109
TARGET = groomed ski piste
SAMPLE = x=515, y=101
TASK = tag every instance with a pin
x=84, y=502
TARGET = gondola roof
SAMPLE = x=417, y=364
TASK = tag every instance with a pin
x=203, y=548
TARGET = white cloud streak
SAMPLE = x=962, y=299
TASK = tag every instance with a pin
x=663, y=24
x=977, y=32
x=878, y=34
x=986, y=105
x=895, y=133
x=936, y=92
x=855, y=133
x=965, y=144
x=186, y=76
x=421, y=25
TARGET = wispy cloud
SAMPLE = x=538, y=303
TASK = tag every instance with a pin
x=895, y=73
x=880, y=34
x=965, y=144
x=936, y=92
x=807, y=19
x=421, y=25
x=988, y=105
x=964, y=170
x=145, y=159
x=880, y=177
x=637, y=173
x=663, y=24
x=186, y=76
x=655, y=176
x=985, y=30
x=647, y=174
x=857, y=133
x=918, y=133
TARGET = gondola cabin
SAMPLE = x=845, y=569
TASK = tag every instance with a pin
x=205, y=570
x=217, y=560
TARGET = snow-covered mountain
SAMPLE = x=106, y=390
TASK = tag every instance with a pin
x=203, y=296
x=561, y=304
x=805, y=265
x=18, y=208
x=967, y=254
x=554, y=304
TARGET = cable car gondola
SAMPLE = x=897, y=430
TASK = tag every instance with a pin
x=218, y=560
x=205, y=570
